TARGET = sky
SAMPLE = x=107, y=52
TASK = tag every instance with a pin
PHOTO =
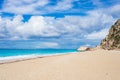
x=66, y=24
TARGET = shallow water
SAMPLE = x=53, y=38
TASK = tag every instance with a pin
x=6, y=54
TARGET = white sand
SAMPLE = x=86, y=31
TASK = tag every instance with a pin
x=90, y=65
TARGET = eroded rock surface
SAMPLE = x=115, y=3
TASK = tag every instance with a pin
x=112, y=40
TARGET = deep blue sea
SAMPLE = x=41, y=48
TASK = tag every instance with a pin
x=21, y=53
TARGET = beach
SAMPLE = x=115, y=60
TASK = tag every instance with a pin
x=88, y=65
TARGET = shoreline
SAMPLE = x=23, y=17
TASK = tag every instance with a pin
x=88, y=65
x=13, y=59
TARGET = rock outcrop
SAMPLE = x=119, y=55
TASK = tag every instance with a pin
x=112, y=40
x=83, y=48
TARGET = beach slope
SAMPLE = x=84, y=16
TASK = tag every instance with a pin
x=89, y=65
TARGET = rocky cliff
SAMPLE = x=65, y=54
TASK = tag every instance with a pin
x=112, y=40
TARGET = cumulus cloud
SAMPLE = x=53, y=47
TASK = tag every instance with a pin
x=35, y=6
x=51, y=44
x=45, y=45
x=17, y=29
x=70, y=29
x=29, y=44
x=113, y=10
x=87, y=45
x=23, y=6
x=93, y=26
x=97, y=34
x=62, y=5
x=66, y=27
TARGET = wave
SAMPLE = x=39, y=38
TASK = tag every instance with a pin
x=24, y=57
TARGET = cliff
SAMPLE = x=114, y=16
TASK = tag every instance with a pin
x=112, y=40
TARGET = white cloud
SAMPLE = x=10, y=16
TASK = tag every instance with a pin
x=62, y=5
x=46, y=45
x=23, y=6
x=51, y=44
x=114, y=10
x=87, y=45
x=67, y=30
x=67, y=27
x=35, y=6
x=97, y=35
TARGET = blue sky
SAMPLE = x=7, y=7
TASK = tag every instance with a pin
x=55, y=23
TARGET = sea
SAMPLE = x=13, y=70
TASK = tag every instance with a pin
x=14, y=54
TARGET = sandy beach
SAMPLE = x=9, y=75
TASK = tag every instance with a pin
x=89, y=65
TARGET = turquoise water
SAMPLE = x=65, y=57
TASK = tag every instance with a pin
x=12, y=53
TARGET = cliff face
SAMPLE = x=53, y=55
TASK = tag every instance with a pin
x=112, y=40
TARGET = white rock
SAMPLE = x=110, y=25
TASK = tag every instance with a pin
x=83, y=48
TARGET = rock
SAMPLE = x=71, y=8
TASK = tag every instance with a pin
x=83, y=48
x=112, y=40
